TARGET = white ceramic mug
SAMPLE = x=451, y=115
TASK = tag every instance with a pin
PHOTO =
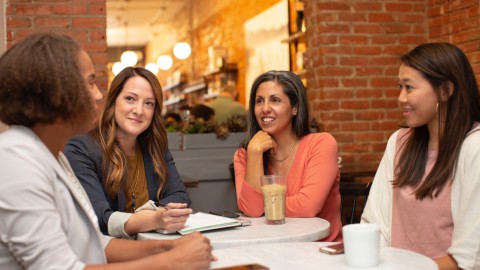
x=362, y=244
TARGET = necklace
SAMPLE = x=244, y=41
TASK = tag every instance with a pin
x=135, y=181
x=289, y=152
x=134, y=197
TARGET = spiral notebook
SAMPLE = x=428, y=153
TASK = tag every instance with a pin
x=200, y=222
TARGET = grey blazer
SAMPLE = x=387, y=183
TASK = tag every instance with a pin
x=47, y=221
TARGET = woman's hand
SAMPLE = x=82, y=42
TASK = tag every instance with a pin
x=261, y=142
x=173, y=216
x=192, y=251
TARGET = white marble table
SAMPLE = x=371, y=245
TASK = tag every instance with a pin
x=294, y=230
x=306, y=256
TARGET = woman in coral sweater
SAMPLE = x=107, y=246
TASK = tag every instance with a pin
x=279, y=142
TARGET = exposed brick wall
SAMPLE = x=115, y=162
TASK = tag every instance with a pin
x=457, y=22
x=352, y=61
x=85, y=21
x=225, y=28
x=222, y=26
x=352, y=52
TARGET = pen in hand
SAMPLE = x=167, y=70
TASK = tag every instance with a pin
x=164, y=205
x=172, y=205
x=176, y=209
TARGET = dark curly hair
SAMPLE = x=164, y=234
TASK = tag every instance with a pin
x=41, y=81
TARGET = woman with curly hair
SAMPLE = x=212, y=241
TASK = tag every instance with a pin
x=48, y=95
x=124, y=163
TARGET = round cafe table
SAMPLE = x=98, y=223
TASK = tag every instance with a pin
x=294, y=230
x=280, y=256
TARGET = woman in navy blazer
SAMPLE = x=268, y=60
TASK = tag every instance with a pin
x=125, y=164
x=48, y=95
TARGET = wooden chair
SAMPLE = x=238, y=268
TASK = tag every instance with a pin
x=353, y=193
x=232, y=172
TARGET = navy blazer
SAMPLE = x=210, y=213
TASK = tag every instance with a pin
x=85, y=157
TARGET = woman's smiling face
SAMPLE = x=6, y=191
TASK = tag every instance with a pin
x=417, y=98
x=273, y=110
x=134, y=108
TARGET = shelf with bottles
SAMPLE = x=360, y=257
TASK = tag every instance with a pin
x=172, y=101
x=174, y=86
x=296, y=38
x=229, y=69
x=194, y=92
x=220, y=78
x=198, y=86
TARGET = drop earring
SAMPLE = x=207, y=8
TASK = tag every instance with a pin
x=436, y=108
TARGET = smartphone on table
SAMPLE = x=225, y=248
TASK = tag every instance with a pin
x=252, y=266
x=225, y=214
x=333, y=249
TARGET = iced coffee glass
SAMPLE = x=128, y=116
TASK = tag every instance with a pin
x=273, y=190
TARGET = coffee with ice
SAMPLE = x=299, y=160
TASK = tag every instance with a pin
x=273, y=190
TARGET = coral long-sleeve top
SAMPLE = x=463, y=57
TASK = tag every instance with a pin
x=312, y=183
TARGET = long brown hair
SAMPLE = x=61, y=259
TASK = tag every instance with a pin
x=293, y=87
x=114, y=166
x=444, y=66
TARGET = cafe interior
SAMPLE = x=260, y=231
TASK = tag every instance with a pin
x=345, y=52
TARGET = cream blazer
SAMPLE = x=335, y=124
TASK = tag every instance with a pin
x=47, y=221
x=465, y=200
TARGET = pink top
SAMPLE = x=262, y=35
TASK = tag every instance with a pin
x=422, y=226
x=312, y=183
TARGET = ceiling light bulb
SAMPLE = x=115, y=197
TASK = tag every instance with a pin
x=164, y=62
x=129, y=58
x=152, y=67
x=182, y=50
x=117, y=67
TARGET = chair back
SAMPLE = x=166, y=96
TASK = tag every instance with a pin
x=232, y=172
x=353, y=194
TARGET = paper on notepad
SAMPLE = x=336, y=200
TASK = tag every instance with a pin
x=204, y=222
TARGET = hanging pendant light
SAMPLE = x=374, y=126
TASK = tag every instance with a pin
x=129, y=58
x=152, y=67
x=117, y=67
x=164, y=62
x=182, y=50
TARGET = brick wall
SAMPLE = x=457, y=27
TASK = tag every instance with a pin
x=85, y=21
x=457, y=22
x=217, y=23
x=352, y=62
x=352, y=52
x=225, y=28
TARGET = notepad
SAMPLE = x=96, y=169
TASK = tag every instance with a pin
x=200, y=222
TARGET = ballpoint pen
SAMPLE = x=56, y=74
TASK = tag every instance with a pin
x=164, y=205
